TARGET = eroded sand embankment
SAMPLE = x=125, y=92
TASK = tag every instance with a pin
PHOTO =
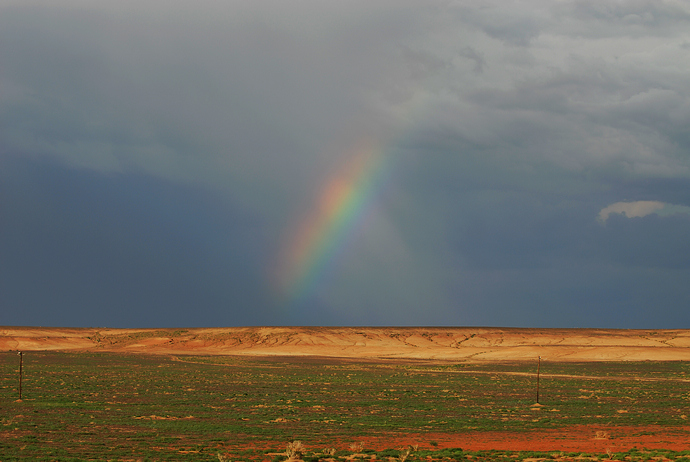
x=423, y=343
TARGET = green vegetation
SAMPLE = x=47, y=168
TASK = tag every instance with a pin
x=135, y=407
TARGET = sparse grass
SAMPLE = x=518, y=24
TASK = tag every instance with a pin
x=98, y=406
x=407, y=454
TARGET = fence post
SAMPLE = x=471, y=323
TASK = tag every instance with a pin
x=538, y=367
x=21, y=363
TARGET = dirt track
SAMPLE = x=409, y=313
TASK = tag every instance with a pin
x=420, y=343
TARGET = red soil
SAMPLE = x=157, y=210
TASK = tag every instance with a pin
x=577, y=438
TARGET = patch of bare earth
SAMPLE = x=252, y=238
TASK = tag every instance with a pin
x=576, y=438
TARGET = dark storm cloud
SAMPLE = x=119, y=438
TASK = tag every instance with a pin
x=83, y=248
x=651, y=241
x=176, y=143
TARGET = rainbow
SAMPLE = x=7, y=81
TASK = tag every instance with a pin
x=343, y=204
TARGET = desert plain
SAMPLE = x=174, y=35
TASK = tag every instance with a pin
x=346, y=393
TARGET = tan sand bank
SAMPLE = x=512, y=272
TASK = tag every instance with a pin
x=422, y=343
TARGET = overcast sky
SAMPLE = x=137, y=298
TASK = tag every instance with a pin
x=168, y=163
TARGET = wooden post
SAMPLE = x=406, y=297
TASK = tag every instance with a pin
x=538, y=367
x=21, y=363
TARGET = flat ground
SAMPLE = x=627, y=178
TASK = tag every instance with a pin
x=101, y=395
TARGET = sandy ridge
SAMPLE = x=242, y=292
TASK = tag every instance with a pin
x=424, y=343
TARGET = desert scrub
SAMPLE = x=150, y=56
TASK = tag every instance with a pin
x=117, y=406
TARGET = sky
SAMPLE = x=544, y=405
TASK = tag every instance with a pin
x=345, y=163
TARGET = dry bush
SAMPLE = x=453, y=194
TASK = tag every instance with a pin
x=222, y=458
x=328, y=452
x=357, y=447
x=295, y=450
x=601, y=435
x=406, y=451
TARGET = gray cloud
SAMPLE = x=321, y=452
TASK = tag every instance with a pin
x=506, y=130
x=637, y=18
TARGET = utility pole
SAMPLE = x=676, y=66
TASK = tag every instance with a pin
x=538, y=367
x=21, y=363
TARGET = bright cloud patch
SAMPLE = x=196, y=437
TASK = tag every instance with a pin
x=641, y=209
